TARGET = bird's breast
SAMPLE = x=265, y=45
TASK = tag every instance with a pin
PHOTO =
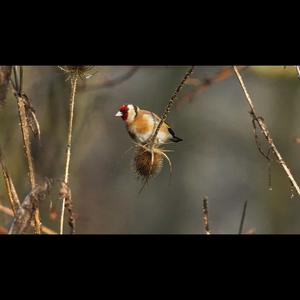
x=143, y=127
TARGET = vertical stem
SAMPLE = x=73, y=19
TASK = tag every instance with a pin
x=243, y=218
x=205, y=216
x=266, y=133
x=25, y=134
x=27, y=150
x=74, y=80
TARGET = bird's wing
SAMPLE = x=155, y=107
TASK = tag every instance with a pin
x=156, y=117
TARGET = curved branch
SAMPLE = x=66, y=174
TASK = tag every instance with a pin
x=266, y=133
x=113, y=82
x=10, y=212
x=170, y=104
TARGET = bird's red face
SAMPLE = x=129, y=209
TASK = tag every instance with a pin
x=123, y=112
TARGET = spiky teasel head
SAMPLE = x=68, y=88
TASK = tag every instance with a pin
x=80, y=71
x=149, y=162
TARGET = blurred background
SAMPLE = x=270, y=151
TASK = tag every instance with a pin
x=218, y=157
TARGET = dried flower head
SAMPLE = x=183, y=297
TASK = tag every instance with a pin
x=81, y=71
x=146, y=164
x=149, y=162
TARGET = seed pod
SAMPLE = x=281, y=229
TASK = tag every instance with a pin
x=81, y=71
x=147, y=164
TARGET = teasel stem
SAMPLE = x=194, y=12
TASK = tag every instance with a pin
x=21, y=102
x=169, y=105
x=74, y=80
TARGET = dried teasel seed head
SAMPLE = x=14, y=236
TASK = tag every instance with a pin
x=147, y=163
x=77, y=70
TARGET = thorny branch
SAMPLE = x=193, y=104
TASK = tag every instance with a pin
x=266, y=132
x=169, y=105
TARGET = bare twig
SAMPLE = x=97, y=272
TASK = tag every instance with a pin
x=10, y=212
x=74, y=80
x=22, y=102
x=200, y=86
x=205, y=215
x=266, y=133
x=266, y=155
x=114, y=81
x=11, y=191
x=28, y=207
x=243, y=218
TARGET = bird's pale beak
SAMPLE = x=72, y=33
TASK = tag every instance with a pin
x=118, y=114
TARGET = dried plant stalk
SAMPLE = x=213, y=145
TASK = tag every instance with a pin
x=74, y=80
x=65, y=193
x=298, y=71
x=266, y=132
x=169, y=106
x=202, y=85
x=10, y=212
x=205, y=216
x=11, y=191
x=243, y=218
x=22, y=102
x=26, y=211
x=27, y=149
x=26, y=139
x=31, y=117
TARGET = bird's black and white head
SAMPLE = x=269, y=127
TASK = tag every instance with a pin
x=127, y=112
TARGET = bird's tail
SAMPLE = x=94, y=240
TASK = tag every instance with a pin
x=176, y=139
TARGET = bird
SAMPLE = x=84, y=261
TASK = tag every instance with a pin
x=141, y=125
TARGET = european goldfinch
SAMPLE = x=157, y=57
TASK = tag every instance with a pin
x=141, y=125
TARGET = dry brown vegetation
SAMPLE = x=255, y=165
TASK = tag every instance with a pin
x=148, y=158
